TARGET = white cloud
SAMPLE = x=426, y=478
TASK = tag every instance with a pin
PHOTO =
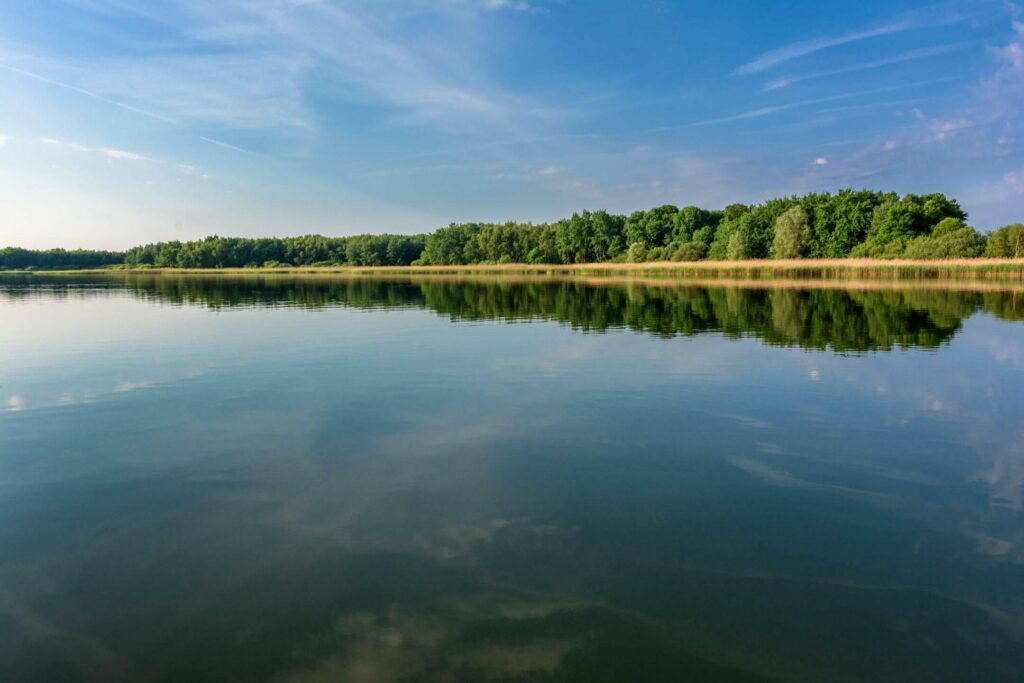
x=925, y=17
x=821, y=161
x=514, y=5
x=119, y=154
x=506, y=4
x=15, y=403
x=3, y=140
x=125, y=387
x=122, y=154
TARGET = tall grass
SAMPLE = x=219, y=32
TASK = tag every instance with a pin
x=1010, y=270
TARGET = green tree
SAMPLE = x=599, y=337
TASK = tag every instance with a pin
x=739, y=248
x=1006, y=242
x=908, y=217
x=652, y=228
x=793, y=237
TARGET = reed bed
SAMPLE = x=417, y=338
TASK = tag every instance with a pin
x=1008, y=270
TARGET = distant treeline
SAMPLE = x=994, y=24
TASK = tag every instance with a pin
x=859, y=223
x=843, y=320
x=13, y=258
x=308, y=250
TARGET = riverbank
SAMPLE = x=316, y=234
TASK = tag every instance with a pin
x=760, y=269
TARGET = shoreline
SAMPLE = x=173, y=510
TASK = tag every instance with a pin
x=900, y=270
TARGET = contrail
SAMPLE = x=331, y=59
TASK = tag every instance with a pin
x=82, y=91
x=224, y=144
x=122, y=105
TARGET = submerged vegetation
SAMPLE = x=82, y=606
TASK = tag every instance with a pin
x=849, y=223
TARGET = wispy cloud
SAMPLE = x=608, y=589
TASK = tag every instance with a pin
x=122, y=154
x=225, y=145
x=515, y=5
x=227, y=87
x=125, y=155
x=117, y=154
x=1006, y=188
x=3, y=140
x=911, y=55
x=975, y=134
x=1005, y=89
x=871, y=105
x=766, y=111
x=555, y=178
x=252, y=64
x=83, y=91
x=925, y=17
x=114, y=154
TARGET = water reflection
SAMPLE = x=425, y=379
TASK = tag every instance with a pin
x=292, y=479
x=842, y=319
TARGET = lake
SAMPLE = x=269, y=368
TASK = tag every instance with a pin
x=299, y=478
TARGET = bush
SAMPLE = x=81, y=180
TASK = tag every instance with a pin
x=535, y=256
x=962, y=242
x=637, y=253
x=873, y=249
x=656, y=254
x=691, y=251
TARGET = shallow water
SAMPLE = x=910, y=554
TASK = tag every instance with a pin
x=304, y=479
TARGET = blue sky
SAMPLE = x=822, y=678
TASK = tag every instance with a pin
x=125, y=122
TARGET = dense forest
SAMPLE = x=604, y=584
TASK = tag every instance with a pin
x=849, y=223
x=850, y=321
x=13, y=258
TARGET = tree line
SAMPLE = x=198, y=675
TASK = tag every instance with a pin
x=307, y=250
x=14, y=258
x=848, y=223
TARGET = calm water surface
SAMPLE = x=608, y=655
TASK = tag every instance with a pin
x=292, y=479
